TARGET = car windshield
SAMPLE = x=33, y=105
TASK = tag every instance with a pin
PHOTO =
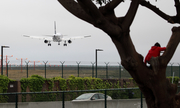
x=84, y=96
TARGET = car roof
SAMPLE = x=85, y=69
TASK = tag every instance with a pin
x=92, y=93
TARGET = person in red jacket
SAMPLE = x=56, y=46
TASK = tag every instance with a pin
x=154, y=52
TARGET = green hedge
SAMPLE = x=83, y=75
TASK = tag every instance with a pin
x=86, y=83
x=4, y=81
x=175, y=80
x=35, y=84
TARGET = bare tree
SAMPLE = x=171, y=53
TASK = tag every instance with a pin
x=157, y=89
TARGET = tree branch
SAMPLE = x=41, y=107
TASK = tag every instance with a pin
x=106, y=21
x=129, y=17
x=112, y=5
x=171, y=46
x=170, y=19
x=74, y=8
x=177, y=5
x=90, y=8
x=108, y=11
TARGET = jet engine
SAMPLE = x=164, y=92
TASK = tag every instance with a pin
x=69, y=41
x=45, y=41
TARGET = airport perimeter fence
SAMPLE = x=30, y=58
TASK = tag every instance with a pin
x=124, y=97
x=64, y=98
x=50, y=69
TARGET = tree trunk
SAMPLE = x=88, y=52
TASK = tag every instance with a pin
x=157, y=89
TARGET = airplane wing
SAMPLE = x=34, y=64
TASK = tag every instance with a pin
x=39, y=37
x=73, y=38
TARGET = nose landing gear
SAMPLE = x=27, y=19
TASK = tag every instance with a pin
x=65, y=44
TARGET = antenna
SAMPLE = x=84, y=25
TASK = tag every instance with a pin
x=21, y=61
x=54, y=27
x=34, y=63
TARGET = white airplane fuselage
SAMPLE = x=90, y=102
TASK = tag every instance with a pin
x=57, y=38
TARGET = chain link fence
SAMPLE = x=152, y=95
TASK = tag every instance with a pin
x=50, y=69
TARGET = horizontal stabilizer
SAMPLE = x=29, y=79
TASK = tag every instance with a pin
x=26, y=36
x=87, y=36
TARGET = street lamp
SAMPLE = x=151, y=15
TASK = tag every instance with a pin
x=2, y=58
x=96, y=59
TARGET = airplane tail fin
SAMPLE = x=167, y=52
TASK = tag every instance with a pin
x=54, y=27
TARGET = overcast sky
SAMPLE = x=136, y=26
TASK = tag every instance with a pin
x=36, y=17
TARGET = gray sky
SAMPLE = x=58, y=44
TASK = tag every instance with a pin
x=36, y=17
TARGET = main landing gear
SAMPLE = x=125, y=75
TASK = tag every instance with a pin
x=65, y=44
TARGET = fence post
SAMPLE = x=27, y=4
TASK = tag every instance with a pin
x=106, y=69
x=27, y=67
x=119, y=70
x=105, y=106
x=62, y=67
x=78, y=67
x=93, y=69
x=171, y=68
x=45, y=67
x=179, y=70
x=63, y=106
x=141, y=101
x=7, y=67
x=16, y=100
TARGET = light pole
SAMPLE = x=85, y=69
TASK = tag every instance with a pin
x=2, y=58
x=96, y=59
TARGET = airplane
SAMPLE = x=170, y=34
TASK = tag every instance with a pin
x=57, y=37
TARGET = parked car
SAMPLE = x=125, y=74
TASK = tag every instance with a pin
x=92, y=96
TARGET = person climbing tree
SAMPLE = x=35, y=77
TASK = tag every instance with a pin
x=154, y=52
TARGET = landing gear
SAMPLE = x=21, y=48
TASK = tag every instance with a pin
x=58, y=43
x=49, y=42
x=65, y=44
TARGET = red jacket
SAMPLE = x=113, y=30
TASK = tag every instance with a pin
x=154, y=52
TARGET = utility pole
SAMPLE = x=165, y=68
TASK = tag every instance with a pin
x=21, y=62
